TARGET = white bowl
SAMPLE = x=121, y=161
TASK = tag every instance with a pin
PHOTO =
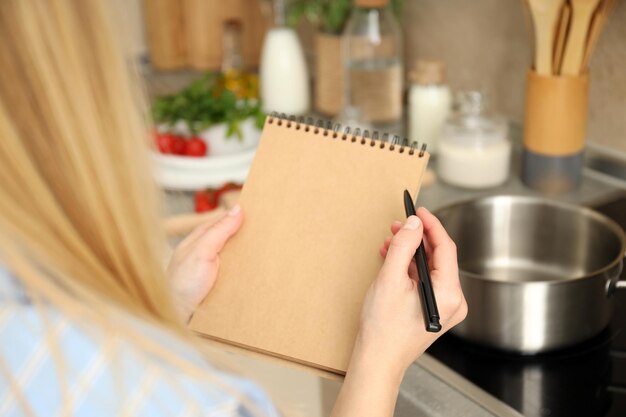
x=215, y=136
x=203, y=164
x=191, y=181
x=220, y=145
x=229, y=159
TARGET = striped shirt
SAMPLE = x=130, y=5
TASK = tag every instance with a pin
x=101, y=375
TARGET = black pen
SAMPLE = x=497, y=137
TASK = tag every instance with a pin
x=429, y=304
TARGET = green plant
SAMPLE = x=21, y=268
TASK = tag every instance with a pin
x=206, y=102
x=329, y=15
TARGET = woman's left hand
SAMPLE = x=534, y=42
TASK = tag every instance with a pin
x=195, y=262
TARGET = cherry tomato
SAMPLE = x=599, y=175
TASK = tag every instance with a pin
x=165, y=143
x=229, y=186
x=195, y=147
x=178, y=145
x=205, y=200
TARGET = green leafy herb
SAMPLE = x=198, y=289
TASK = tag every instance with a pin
x=329, y=15
x=205, y=102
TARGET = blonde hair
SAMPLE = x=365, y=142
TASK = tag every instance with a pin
x=79, y=218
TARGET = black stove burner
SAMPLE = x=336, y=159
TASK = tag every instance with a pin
x=587, y=380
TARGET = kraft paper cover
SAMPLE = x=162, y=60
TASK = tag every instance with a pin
x=316, y=211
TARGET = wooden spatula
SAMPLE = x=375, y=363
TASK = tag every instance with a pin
x=597, y=24
x=561, y=34
x=545, y=15
x=582, y=12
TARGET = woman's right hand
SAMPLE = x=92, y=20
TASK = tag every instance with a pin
x=393, y=332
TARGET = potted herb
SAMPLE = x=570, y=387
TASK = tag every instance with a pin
x=330, y=17
x=224, y=112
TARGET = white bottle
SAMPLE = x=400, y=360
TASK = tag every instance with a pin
x=429, y=103
x=284, y=76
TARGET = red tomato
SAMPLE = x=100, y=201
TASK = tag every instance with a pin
x=178, y=145
x=229, y=186
x=195, y=147
x=205, y=200
x=165, y=143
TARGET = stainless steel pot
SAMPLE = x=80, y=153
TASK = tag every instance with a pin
x=537, y=275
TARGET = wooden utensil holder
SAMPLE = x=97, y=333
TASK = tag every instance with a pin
x=555, y=125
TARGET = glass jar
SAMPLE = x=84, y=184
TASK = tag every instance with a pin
x=474, y=151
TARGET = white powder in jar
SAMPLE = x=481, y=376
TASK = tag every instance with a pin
x=474, y=151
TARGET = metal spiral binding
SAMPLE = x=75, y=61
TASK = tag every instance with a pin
x=334, y=131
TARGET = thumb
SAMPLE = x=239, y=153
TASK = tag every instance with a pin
x=216, y=236
x=402, y=248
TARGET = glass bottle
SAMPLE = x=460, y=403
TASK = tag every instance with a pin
x=284, y=73
x=429, y=103
x=372, y=52
x=235, y=78
x=232, y=59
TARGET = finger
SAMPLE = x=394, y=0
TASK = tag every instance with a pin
x=395, y=226
x=197, y=232
x=214, y=237
x=413, y=271
x=402, y=248
x=433, y=228
x=441, y=248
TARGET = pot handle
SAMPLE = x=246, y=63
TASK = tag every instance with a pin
x=614, y=282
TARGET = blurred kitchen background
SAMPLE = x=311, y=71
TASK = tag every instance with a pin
x=483, y=43
x=471, y=70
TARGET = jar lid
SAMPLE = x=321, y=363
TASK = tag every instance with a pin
x=426, y=72
x=371, y=3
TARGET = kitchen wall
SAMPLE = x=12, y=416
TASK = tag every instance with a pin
x=486, y=43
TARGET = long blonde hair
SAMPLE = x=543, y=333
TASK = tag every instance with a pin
x=79, y=213
x=76, y=194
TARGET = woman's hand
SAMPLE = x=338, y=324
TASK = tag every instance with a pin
x=393, y=333
x=195, y=262
x=392, y=322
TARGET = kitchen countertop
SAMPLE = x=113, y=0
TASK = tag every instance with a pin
x=593, y=187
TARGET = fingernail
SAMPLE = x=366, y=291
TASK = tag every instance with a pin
x=412, y=223
x=234, y=210
x=397, y=223
x=427, y=211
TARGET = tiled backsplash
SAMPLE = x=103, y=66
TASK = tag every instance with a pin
x=487, y=44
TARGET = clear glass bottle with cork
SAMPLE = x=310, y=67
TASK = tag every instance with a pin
x=372, y=50
x=243, y=83
x=429, y=102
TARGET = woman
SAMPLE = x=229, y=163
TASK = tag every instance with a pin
x=91, y=324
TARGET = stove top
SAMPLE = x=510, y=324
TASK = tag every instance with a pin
x=588, y=380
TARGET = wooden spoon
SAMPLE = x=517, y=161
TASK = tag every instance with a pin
x=559, y=44
x=599, y=20
x=545, y=17
x=582, y=11
x=528, y=23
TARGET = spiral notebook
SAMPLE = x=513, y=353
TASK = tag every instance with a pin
x=318, y=203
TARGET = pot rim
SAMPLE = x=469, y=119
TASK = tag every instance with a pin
x=586, y=211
